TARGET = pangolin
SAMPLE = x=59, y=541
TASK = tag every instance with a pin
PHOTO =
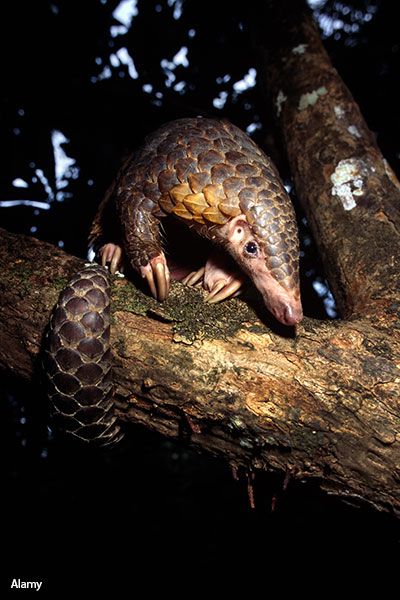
x=212, y=178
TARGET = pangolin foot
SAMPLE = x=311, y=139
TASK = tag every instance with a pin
x=156, y=273
x=112, y=255
x=225, y=288
x=217, y=278
x=195, y=278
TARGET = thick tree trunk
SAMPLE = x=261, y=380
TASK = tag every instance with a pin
x=322, y=405
x=348, y=189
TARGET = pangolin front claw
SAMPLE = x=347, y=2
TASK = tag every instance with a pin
x=216, y=278
x=223, y=289
x=156, y=273
x=194, y=278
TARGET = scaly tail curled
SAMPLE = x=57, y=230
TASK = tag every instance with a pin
x=78, y=359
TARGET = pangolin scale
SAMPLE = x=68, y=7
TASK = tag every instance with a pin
x=78, y=359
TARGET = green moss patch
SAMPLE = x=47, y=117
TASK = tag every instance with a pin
x=193, y=318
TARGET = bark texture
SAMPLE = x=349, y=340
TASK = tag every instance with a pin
x=322, y=405
x=349, y=191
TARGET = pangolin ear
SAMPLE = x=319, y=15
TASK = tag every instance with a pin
x=238, y=229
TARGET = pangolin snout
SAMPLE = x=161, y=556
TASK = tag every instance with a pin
x=292, y=313
x=284, y=304
x=288, y=312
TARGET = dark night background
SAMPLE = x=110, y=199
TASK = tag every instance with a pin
x=81, y=84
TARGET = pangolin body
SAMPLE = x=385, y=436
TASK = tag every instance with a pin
x=212, y=177
x=205, y=172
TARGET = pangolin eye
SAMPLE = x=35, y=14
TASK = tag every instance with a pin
x=251, y=248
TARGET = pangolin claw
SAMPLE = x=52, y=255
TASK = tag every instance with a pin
x=194, y=278
x=111, y=254
x=157, y=275
x=148, y=275
x=221, y=290
x=116, y=260
x=162, y=279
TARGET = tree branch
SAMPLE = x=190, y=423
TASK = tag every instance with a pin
x=323, y=405
x=348, y=189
